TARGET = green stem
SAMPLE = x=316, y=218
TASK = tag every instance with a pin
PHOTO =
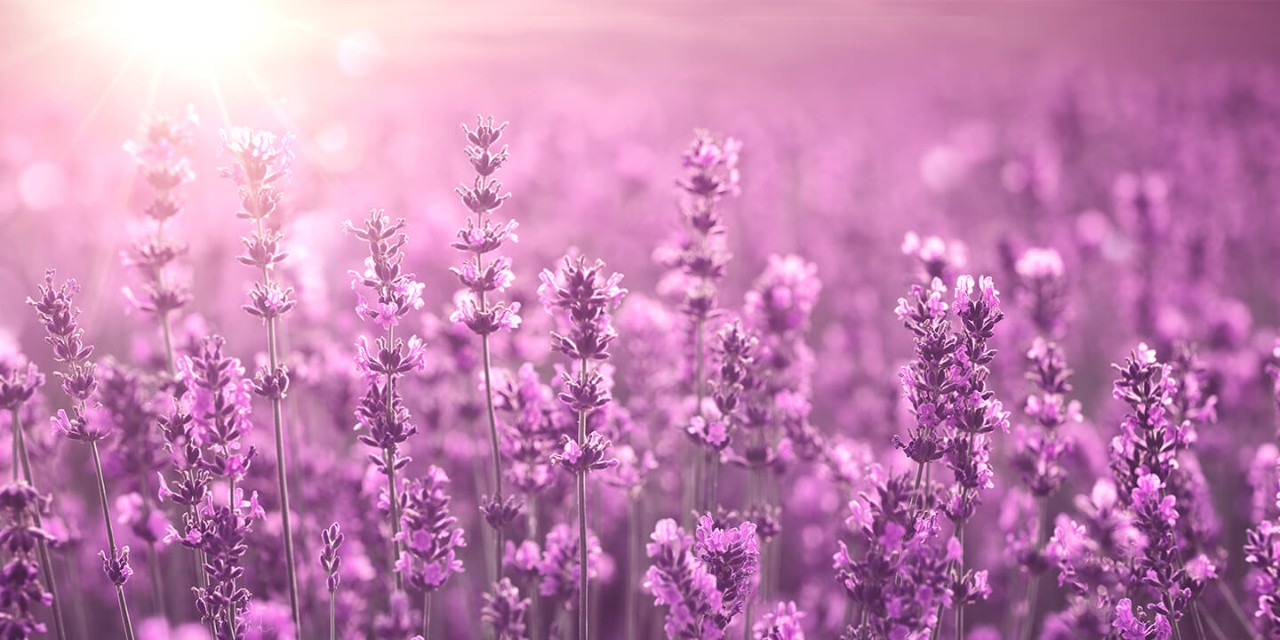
x=111, y=538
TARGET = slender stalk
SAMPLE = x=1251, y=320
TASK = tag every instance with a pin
x=394, y=498
x=111, y=537
x=959, y=577
x=282, y=476
x=493, y=440
x=1033, y=582
x=535, y=598
x=333, y=616
x=634, y=544
x=582, y=519
x=1197, y=618
x=389, y=461
x=699, y=392
x=1217, y=629
x=426, y=616
x=42, y=549
x=153, y=558
x=1177, y=633
x=492, y=418
x=1236, y=610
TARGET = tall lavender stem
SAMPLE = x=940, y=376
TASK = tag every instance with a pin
x=481, y=236
x=42, y=549
x=56, y=310
x=580, y=299
x=261, y=162
x=111, y=539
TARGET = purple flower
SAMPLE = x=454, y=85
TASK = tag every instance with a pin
x=732, y=555
x=331, y=538
x=430, y=535
x=481, y=235
x=783, y=623
x=683, y=583
x=504, y=611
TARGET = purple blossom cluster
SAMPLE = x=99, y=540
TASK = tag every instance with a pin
x=741, y=442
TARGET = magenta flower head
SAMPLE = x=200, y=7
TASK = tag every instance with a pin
x=259, y=159
x=680, y=581
x=581, y=298
x=783, y=623
x=936, y=259
x=19, y=380
x=481, y=236
x=431, y=536
x=711, y=166
x=392, y=293
x=1042, y=288
x=504, y=611
x=782, y=299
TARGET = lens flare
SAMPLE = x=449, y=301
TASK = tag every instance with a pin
x=186, y=30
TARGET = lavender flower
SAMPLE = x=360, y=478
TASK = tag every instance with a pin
x=164, y=168
x=56, y=310
x=1262, y=552
x=21, y=589
x=899, y=581
x=732, y=555
x=206, y=431
x=19, y=381
x=683, y=583
x=260, y=162
x=431, y=537
x=580, y=298
x=331, y=538
x=382, y=417
x=783, y=623
x=504, y=611
x=1042, y=288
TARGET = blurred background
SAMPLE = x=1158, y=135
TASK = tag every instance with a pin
x=998, y=126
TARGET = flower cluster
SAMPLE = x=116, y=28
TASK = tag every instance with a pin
x=164, y=168
x=581, y=299
x=1262, y=552
x=699, y=258
x=504, y=611
x=778, y=309
x=430, y=535
x=900, y=578
x=704, y=580
x=482, y=236
x=22, y=589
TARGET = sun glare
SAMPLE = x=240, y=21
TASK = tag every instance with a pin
x=187, y=30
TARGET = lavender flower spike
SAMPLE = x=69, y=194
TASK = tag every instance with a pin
x=581, y=299
x=164, y=168
x=56, y=310
x=261, y=162
x=431, y=538
x=331, y=562
x=19, y=381
x=476, y=310
x=504, y=611
x=382, y=416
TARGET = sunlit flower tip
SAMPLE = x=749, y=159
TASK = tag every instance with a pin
x=1039, y=263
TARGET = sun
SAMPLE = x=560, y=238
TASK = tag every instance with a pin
x=180, y=31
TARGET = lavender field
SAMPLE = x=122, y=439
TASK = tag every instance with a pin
x=719, y=320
